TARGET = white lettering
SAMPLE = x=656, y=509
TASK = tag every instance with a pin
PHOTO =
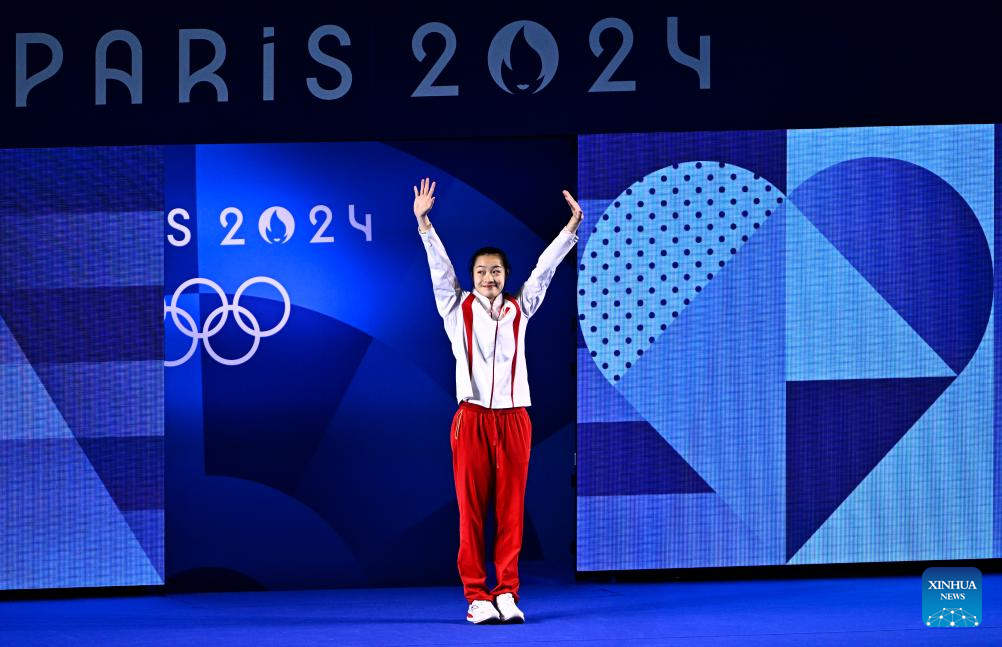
x=174, y=224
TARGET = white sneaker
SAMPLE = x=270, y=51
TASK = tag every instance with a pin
x=482, y=611
x=508, y=610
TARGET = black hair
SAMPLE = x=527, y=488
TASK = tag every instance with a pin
x=493, y=251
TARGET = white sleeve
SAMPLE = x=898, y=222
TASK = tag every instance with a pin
x=531, y=295
x=444, y=283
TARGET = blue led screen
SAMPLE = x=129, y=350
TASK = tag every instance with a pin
x=81, y=368
x=787, y=348
x=789, y=362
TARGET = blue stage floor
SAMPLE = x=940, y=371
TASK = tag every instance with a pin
x=865, y=611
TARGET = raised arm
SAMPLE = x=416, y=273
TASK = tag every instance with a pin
x=531, y=295
x=444, y=283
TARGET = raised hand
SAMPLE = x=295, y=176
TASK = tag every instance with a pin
x=424, y=200
x=576, y=214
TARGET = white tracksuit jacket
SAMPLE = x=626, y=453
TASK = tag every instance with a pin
x=497, y=345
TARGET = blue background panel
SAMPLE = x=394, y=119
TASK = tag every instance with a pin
x=323, y=460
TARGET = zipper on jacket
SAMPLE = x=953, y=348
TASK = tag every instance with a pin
x=494, y=357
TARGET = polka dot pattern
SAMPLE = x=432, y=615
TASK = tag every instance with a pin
x=655, y=249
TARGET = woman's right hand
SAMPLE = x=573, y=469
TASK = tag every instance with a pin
x=424, y=200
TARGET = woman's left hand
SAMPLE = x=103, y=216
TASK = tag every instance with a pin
x=576, y=214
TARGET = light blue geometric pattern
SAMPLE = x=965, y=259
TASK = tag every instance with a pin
x=837, y=326
x=593, y=389
x=720, y=390
x=656, y=247
x=26, y=410
x=148, y=528
x=931, y=496
x=963, y=156
x=946, y=456
x=49, y=540
x=714, y=386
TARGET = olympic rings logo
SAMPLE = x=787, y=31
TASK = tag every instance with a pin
x=211, y=326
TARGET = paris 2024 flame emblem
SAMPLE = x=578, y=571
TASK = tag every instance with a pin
x=273, y=232
x=522, y=57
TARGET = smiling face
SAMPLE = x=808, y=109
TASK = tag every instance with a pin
x=488, y=275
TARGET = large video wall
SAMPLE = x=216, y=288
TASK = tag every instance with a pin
x=785, y=355
x=787, y=351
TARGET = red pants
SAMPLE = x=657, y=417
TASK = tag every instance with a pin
x=490, y=459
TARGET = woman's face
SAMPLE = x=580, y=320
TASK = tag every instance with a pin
x=488, y=275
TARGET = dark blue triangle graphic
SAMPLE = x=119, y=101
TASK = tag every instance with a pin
x=131, y=468
x=836, y=432
x=620, y=458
